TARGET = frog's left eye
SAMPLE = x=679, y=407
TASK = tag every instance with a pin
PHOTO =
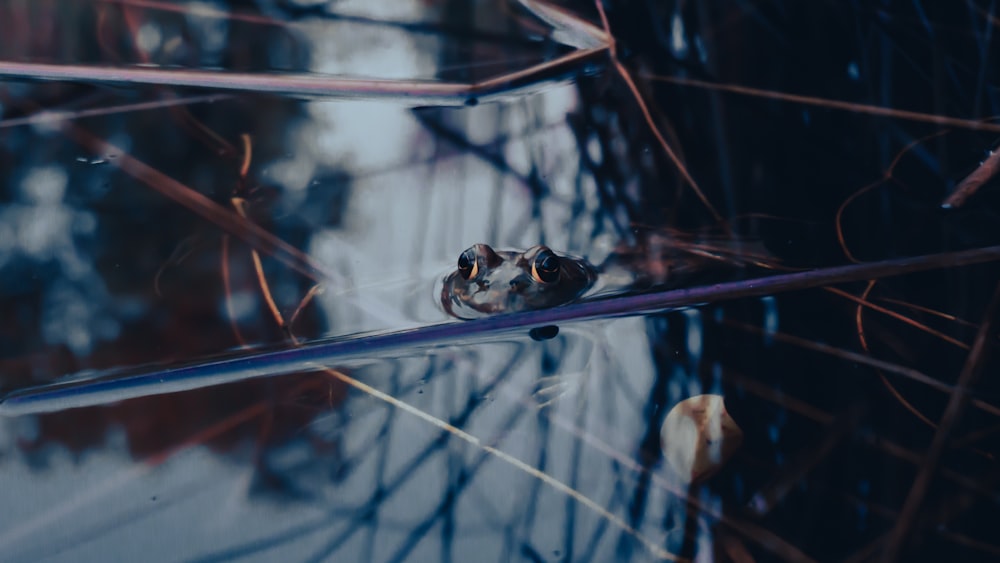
x=545, y=267
x=468, y=266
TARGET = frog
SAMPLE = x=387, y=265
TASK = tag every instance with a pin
x=488, y=282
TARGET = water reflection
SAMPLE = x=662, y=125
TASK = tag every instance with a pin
x=341, y=456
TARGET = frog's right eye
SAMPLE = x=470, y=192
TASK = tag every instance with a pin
x=468, y=266
x=545, y=266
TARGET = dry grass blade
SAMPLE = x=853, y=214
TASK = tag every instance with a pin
x=947, y=121
x=886, y=176
x=863, y=359
x=410, y=92
x=749, y=530
x=971, y=372
x=927, y=310
x=648, y=116
x=859, y=321
x=556, y=484
x=55, y=116
x=864, y=302
x=893, y=449
x=302, y=85
x=227, y=220
x=985, y=172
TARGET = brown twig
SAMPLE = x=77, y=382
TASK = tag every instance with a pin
x=627, y=77
x=927, y=310
x=970, y=373
x=948, y=121
x=413, y=92
x=313, y=292
x=863, y=339
x=807, y=410
x=56, y=116
x=863, y=359
x=864, y=302
x=886, y=176
x=265, y=289
x=985, y=172
x=227, y=220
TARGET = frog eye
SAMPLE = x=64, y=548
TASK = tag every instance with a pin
x=545, y=267
x=468, y=266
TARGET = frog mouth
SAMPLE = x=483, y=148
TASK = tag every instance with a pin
x=499, y=301
x=480, y=303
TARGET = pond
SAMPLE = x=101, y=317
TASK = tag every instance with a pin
x=422, y=280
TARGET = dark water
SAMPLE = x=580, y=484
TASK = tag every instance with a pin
x=359, y=422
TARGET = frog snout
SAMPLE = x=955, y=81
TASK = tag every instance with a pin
x=518, y=284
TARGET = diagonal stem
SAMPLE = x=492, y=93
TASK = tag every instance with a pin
x=101, y=390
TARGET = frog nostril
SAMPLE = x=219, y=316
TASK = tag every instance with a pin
x=517, y=285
